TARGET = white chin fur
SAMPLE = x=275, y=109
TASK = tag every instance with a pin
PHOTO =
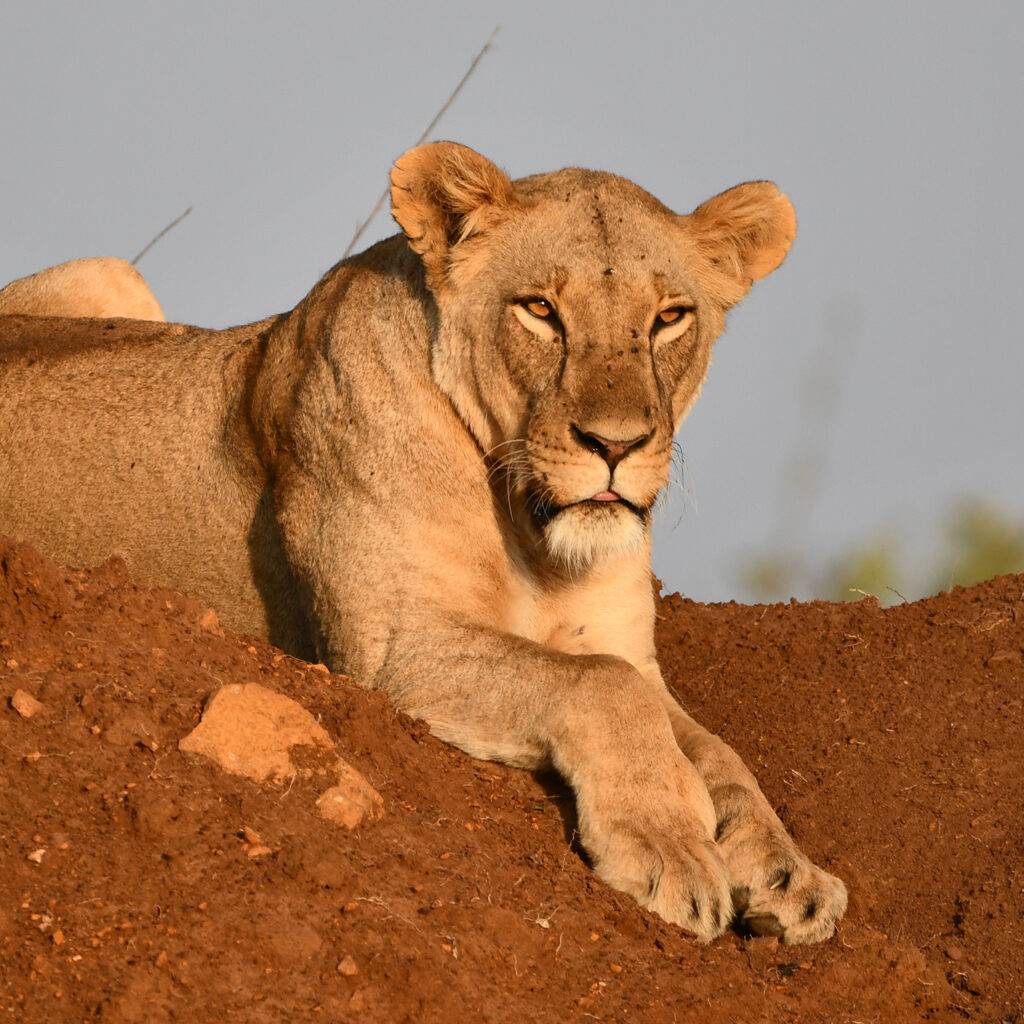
x=581, y=535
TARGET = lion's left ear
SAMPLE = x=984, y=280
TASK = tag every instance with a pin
x=443, y=193
x=746, y=233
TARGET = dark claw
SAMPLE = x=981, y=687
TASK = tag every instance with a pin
x=716, y=913
x=740, y=900
x=762, y=924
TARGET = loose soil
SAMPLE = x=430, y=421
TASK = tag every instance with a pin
x=138, y=883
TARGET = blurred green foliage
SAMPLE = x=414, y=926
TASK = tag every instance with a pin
x=979, y=541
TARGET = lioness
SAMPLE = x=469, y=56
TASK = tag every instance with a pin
x=436, y=473
x=102, y=286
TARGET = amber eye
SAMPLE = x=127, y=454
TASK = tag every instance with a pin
x=538, y=307
x=670, y=316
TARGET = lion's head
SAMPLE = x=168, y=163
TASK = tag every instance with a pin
x=576, y=320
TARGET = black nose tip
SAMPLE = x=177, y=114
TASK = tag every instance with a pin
x=613, y=451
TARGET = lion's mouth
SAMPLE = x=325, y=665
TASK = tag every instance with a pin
x=544, y=511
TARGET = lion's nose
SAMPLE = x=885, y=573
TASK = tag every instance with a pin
x=612, y=450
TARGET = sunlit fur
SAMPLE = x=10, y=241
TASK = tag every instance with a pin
x=101, y=286
x=583, y=534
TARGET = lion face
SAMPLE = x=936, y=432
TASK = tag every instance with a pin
x=576, y=320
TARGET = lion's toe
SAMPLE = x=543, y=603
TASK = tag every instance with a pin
x=681, y=879
x=798, y=905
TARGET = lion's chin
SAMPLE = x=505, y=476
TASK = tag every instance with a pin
x=588, y=532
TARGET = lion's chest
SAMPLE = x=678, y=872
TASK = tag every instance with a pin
x=609, y=612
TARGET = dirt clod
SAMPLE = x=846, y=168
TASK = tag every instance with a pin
x=352, y=801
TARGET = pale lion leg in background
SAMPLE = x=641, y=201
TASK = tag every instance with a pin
x=100, y=286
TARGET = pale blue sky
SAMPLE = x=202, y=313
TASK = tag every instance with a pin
x=886, y=350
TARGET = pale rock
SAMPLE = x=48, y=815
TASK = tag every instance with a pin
x=249, y=730
x=347, y=966
x=25, y=704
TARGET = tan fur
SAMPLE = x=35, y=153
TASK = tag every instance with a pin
x=102, y=286
x=403, y=476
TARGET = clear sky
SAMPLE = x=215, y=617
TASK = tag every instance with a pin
x=876, y=377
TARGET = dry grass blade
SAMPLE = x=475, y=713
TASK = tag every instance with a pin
x=174, y=223
x=423, y=138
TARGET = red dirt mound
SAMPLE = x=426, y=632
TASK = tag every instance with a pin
x=140, y=883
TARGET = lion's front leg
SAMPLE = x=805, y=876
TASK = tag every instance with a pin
x=645, y=818
x=776, y=889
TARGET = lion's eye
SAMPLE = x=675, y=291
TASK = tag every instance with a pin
x=670, y=316
x=539, y=317
x=672, y=323
x=539, y=308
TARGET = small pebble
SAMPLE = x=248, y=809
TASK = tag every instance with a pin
x=25, y=704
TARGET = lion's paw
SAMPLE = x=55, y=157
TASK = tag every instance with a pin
x=782, y=893
x=776, y=890
x=680, y=877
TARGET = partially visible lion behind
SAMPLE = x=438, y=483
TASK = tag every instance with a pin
x=436, y=473
x=101, y=286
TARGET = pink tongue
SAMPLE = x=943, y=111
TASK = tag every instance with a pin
x=605, y=496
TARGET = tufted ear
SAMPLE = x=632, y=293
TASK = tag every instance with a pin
x=443, y=193
x=745, y=233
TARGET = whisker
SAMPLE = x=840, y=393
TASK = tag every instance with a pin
x=503, y=444
x=679, y=477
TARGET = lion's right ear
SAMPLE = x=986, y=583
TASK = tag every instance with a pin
x=443, y=193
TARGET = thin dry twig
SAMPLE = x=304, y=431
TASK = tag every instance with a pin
x=174, y=223
x=423, y=138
